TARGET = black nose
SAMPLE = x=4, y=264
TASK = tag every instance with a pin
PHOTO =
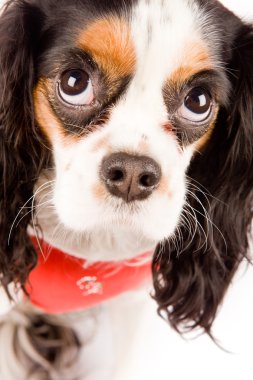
x=130, y=177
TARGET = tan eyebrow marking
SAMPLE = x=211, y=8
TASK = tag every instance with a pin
x=109, y=42
x=196, y=58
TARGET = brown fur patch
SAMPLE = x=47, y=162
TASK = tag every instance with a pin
x=201, y=143
x=50, y=125
x=99, y=191
x=196, y=58
x=109, y=42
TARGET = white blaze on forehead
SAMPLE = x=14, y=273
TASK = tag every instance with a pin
x=162, y=33
x=167, y=36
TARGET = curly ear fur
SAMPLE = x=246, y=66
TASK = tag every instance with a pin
x=21, y=154
x=192, y=276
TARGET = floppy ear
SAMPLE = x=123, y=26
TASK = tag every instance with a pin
x=192, y=275
x=21, y=154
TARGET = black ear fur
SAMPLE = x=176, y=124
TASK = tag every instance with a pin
x=21, y=154
x=192, y=276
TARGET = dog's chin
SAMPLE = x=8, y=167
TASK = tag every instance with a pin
x=115, y=240
x=152, y=226
x=154, y=219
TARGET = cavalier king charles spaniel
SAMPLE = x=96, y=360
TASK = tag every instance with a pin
x=126, y=130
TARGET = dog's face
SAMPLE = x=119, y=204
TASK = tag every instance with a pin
x=141, y=111
x=126, y=96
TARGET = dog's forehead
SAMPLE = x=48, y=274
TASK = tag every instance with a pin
x=150, y=35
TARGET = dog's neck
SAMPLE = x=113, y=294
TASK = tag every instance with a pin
x=113, y=244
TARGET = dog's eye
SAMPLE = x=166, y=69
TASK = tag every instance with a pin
x=197, y=105
x=75, y=87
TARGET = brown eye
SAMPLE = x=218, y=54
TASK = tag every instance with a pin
x=197, y=105
x=75, y=87
x=198, y=101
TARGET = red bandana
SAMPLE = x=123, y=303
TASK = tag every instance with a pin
x=63, y=283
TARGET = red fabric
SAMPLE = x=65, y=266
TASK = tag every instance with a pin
x=63, y=283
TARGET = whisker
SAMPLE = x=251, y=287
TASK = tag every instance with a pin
x=41, y=188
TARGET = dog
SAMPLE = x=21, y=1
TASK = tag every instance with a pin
x=126, y=132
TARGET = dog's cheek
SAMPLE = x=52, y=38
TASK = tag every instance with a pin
x=162, y=213
x=76, y=174
x=164, y=218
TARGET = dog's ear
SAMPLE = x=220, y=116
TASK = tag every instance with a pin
x=192, y=275
x=21, y=155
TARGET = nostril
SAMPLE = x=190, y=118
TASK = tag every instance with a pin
x=116, y=175
x=148, y=180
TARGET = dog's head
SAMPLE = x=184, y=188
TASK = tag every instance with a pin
x=143, y=112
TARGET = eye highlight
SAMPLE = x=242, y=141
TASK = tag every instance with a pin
x=75, y=87
x=197, y=105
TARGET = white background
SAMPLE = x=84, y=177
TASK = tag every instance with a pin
x=162, y=354
x=242, y=7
